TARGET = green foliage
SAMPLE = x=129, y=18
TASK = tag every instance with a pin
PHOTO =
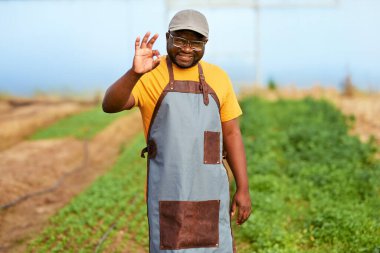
x=115, y=198
x=272, y=85
x=314, y=187
x=84, y=125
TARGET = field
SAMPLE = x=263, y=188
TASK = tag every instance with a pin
x=315, y=188
x=42, y=174
x=363, y=108
x=315, y=185
x=19, y=118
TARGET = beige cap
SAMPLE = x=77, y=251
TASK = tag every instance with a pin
x=189, y=20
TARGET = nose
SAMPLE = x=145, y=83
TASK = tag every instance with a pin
x=187, y=47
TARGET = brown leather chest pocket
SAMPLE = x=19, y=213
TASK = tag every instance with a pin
x=211, y=147
x=189, y=224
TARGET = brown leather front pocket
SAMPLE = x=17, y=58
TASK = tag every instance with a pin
x=189, y=224
x=211, y=147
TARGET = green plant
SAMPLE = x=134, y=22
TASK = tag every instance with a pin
x=84, y=125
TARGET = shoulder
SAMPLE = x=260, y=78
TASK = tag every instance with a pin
x=220, y=82
x=213, y=70
x=218, y=79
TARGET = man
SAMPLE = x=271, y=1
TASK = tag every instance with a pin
x=189, y=113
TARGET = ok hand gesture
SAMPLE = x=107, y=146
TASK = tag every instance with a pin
x=145, y=58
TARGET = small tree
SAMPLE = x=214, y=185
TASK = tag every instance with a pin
x=272, y=85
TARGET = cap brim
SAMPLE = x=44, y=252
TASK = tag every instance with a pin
x=195, y=29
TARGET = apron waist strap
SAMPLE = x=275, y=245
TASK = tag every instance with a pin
x=151, y=149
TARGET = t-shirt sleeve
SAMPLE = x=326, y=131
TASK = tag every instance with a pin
x=230, y=108
x=137, y=92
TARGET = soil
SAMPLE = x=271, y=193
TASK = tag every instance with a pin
x=366, y=111
x=32, y=166
x=20, y=118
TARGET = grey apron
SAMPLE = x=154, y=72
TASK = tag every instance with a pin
x=188, y=189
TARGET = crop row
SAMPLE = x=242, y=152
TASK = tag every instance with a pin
x=314, y=189
x=84, y=125
x=115, y=202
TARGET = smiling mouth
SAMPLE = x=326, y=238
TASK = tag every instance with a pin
x=185, y=57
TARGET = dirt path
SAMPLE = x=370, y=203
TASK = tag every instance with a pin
x=367, y=115
x=18, y=121
x=32, y=166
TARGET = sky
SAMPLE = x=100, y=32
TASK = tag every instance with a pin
x=83, y=46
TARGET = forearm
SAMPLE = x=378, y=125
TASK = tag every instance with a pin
x=118, y=94
x=236, y=158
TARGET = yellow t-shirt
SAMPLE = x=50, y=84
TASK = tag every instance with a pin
x=150, y=86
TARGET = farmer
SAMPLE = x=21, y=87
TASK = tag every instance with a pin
x=189, y=113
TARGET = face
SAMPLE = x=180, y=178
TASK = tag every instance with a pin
x=185, y=56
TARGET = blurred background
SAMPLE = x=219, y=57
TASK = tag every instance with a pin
x=82, y=46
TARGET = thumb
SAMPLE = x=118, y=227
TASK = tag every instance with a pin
x=233, y=207
x=156, y=58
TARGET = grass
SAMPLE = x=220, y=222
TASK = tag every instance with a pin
x=84, y=125
x=115, y=198
x=314, y=188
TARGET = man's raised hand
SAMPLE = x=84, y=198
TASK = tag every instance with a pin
x=145, y=58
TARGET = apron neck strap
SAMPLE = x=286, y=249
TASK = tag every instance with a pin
x=202, y=82
x=203, y=85
x=171, y=72
x=201, y=76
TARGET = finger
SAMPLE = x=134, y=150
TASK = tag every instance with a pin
x=145, y=39
x=233, y=208
x=240, y=217
x=152, y=40
x=137, y=43
x=245, y=213
x=248, y=211
x=156, y=58
x=155, y=53
x=156, y=63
